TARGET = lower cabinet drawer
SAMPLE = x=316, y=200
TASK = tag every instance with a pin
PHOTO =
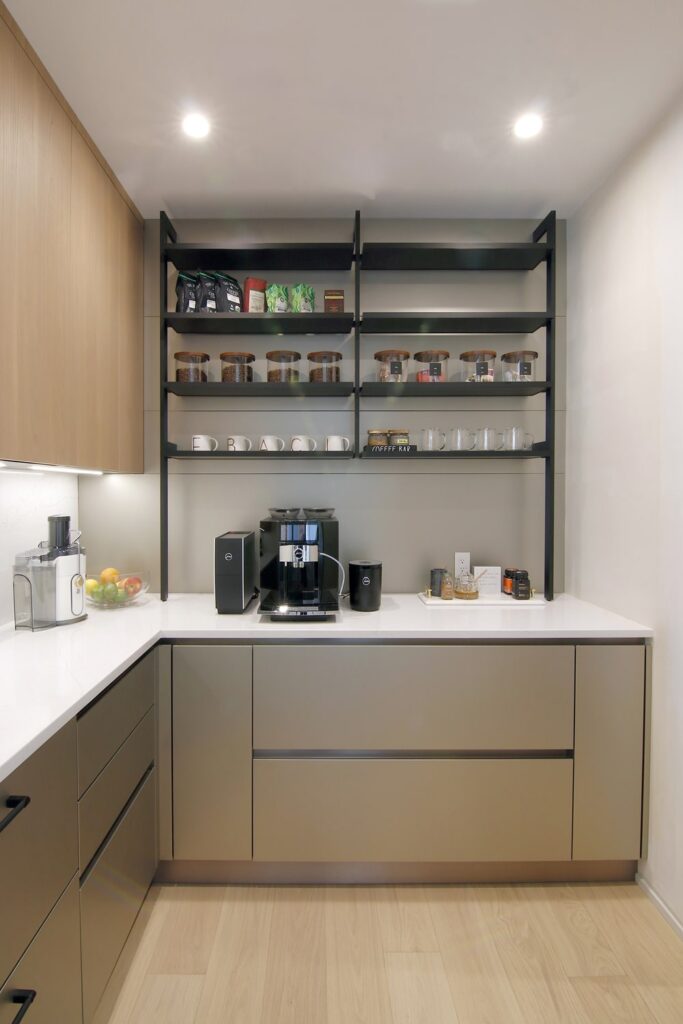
x=49, y=973
x=412, y=810
x=112, y=892
x=38, y=841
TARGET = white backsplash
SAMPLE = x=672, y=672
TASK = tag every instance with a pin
x=26, y=500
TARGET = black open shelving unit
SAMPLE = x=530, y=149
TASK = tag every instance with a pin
x=371, y=256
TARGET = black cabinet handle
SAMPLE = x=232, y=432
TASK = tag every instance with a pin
x=17, y=804
x=25, y=996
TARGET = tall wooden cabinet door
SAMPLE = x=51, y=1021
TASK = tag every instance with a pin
x=130, y=340
x=212, y=753
x=608, y=752
x=35, y=158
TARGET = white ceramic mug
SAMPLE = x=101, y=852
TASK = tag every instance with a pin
x=516, y=440
x=433, y=440
x=302, y=443
x=337, y=443
x=489, y=440
x=462, y=439
x=238, y=443
x=270, y=443
x=204, y=443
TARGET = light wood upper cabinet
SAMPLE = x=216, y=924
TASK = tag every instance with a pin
x=71, y=326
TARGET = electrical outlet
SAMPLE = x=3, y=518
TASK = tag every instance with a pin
x=462, y=563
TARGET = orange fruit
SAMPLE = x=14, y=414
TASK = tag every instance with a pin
x=109, y=576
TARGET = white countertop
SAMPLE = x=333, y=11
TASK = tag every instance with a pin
x=47, y=678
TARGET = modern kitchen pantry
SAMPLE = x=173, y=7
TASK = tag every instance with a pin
x=340, y=491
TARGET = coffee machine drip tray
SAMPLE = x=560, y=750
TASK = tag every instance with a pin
x=325, y=608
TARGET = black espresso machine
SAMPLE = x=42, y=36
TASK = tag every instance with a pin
x=299, y=564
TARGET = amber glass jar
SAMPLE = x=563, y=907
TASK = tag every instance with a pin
x=191, y=367
x=236, y=367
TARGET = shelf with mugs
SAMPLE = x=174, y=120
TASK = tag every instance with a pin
x=172, y=451
x=267, y=256
x=260, y=323
x=453, y=389
x=451, y=323
x=417, y=256
x=261, y=389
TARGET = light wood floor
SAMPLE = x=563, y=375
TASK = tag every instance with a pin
x=480, y=955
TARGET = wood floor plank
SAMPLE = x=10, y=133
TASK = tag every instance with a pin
x=480, y=989
x=564, y=923
x=235, y=977
x=613, y=1000
x=405, y=919
x=357, y=987
x=665, y=1002
x=189, y=930
x=168, y=999
x=296, y=966
x=419, y=990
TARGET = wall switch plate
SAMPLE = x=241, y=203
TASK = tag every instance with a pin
x=491, y=582
x=462, y=563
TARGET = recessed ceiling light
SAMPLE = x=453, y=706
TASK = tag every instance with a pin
x=196, y=126
x=528, y=126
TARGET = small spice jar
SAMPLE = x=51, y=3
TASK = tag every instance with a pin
x=392, y=365
x=521, y=586
x=377, y=438
x=397, y=436
x=479, y=366
x=436, y=370
x=191, y=368
x=519, y=366
x=283, y=366
x=236, y=367
x=325, y=367
x=508, y=581
x=447, y=588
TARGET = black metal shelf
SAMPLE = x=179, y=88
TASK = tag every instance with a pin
x=260, y=323
x=171, y=452
x=310, y=256
x=260, y=389
x=454, y=389
x=475, y=256
x=539, y=451
x=453, y=323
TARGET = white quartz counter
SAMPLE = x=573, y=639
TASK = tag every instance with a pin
x=47, y=678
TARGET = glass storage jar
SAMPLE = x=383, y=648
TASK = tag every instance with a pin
x=519, y=366
x=377, y=438
x=435, y=368
x=398, y=435
x=325, y=367
x=392, y=366
x=479, y=366
x=283, y=366
x=191, y=367
x=236, y=367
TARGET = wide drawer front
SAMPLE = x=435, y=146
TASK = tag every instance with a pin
x=111, y=719
x=413, y=698
x=387, y=809
x=48, y=975
x=112, y=893
x=39, y=845
x=101, y=804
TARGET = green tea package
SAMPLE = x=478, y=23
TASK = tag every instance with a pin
x=277, y=298
x=301, y=298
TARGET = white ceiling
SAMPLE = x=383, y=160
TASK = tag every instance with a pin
x=401, y=107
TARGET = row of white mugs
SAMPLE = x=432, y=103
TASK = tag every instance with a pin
x=485, y=439
x=270, y=443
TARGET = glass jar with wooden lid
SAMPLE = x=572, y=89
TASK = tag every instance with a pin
x=392, y=365
x=325, y=367
x=191, y=367
x=435, y=366
x=283, y=366
x=519, y=367
x=479, y=366
x=236, y=367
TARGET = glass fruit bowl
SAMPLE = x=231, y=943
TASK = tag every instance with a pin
x=113, y=588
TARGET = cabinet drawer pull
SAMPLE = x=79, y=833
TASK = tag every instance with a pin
x=25, y=996
x=17, y=804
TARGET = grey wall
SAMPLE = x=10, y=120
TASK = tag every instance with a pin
x=412, y=516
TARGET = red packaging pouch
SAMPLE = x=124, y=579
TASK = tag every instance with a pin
x=255, y=295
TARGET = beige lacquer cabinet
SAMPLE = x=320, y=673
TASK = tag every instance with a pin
x=71, y=272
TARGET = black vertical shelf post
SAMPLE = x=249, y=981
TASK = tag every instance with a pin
x=548, y=227
x=356, y=333
x=167, y=235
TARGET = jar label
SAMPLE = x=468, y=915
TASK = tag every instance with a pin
x=482, y=369
x=525, y=369
x=435, y=369
x=396, y=367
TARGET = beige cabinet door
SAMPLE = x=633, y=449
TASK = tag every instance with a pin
x=608, y=752
x=35, y=160
x=212, y=752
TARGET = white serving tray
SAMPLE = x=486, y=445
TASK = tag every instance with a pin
x=499, y=601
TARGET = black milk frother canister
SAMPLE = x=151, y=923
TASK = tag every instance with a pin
x=365, y=585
